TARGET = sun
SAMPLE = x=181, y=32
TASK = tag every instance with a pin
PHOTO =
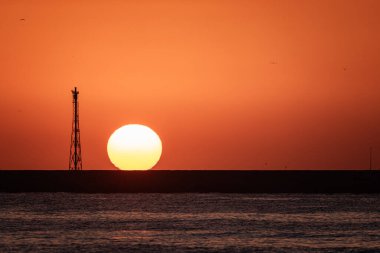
x=134, y=147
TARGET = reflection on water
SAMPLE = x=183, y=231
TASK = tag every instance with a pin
x=63, y=222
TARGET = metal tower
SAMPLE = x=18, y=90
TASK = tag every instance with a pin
x=75, y=148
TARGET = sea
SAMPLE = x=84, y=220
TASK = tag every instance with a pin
x=69, y=222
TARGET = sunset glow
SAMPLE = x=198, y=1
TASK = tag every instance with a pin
x=232, y=85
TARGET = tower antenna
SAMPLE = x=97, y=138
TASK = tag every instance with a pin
x=370, y=158
x=75, y=162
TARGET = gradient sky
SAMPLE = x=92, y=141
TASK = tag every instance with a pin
x=226, y=84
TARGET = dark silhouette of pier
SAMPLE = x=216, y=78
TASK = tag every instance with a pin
x=167, y=181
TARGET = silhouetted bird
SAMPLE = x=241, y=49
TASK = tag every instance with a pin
x=22, y=19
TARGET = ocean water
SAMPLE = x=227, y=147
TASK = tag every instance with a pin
x=66, y=222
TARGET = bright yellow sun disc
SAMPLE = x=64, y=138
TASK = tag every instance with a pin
x=134, y=147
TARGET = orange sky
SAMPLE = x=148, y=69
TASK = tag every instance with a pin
x=226, y=84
